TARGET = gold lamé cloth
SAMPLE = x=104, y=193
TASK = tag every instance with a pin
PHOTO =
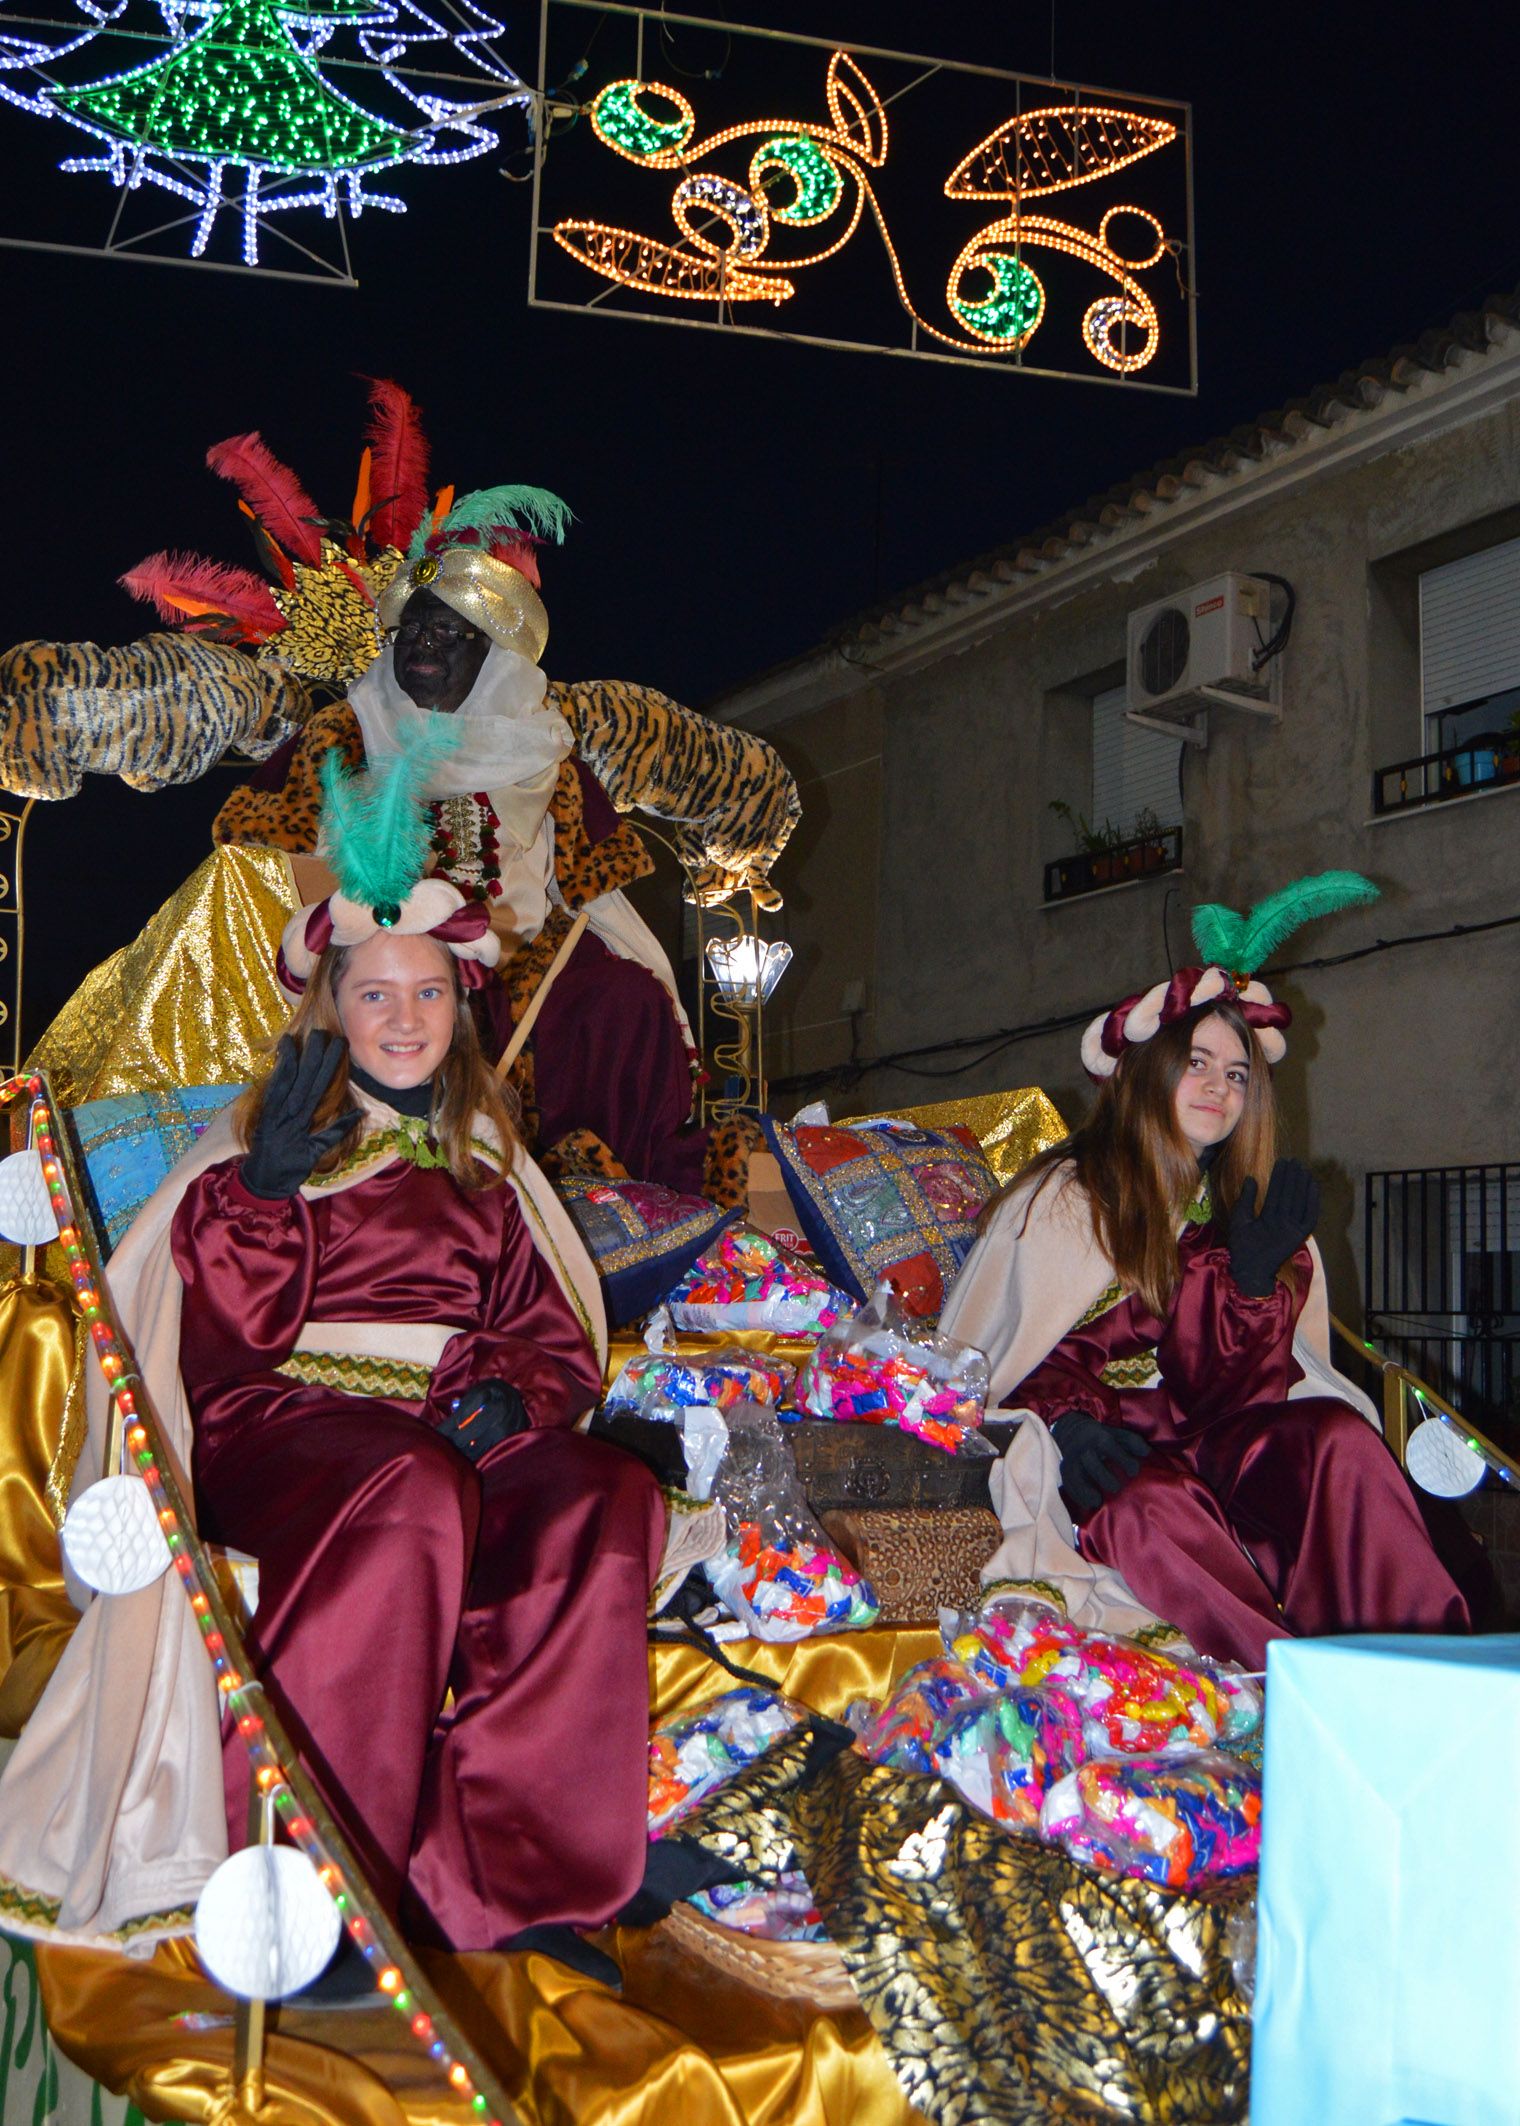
x=1010, y=1127
x=41, y=1427
x=999, y=1982
x=193, y=1000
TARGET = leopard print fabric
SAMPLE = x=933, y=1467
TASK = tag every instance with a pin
x=722, y=795
x=287, y=818
x=162, y=710
x=725, y=1166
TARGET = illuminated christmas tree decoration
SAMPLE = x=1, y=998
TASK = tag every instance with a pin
x=735, y=243
x=235, y=115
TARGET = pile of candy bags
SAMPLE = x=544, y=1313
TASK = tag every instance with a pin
x=872, y=1369
x=1103, y=1746
x=718, y=1378
x=746, y=1280
x=692, y=1755
x=778, y=1574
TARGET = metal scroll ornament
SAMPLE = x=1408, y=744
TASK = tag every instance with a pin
x=808, y=186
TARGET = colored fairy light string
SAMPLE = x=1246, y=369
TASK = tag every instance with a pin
x=1027, y=158
x=243, y=1695
x=240, y=89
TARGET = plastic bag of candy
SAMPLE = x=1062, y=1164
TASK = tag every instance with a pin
x=720, y=1378
x=784, y=1911
x=901, y=1730
x=1134, y=1699
x=696, y=1752
x=778, y=1574
x=1173, y=1821
x=747, y=1280
x=872, y=1369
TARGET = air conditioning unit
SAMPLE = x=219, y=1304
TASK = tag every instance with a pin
x=1199, y=646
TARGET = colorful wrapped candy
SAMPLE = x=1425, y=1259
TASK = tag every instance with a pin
x=1006, y=1751
x=785, y=1911
x=901, y=1731
x=1133, y=1699
x=746, y=1280
x=697, y=1752
x=870, y=1370
x=778, y=1574
x=783, y=1588
x=1177, y=1822
x=719, y=1378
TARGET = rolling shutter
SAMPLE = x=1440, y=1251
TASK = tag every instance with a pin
x=1470, y=628
x=1133, y=770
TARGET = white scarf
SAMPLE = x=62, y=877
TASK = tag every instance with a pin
x=510, y=744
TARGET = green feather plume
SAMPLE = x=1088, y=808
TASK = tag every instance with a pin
x=1243, y=943
x=375, y=834
x=524, y=509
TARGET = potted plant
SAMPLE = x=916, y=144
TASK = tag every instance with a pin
x=1150, y=835
x=1097, y=844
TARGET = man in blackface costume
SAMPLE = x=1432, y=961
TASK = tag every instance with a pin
x=420, y=608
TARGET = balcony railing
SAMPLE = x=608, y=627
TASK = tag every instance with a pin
x=1477, y=763
x=1442, y=1255
x=1140, y=857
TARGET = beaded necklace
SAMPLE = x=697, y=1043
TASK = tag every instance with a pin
x=465, y=844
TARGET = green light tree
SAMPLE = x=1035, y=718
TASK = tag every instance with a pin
x=239, y=91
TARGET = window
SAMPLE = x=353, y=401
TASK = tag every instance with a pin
x=1134, y=771
x=1469, y=665
x=1470, y=647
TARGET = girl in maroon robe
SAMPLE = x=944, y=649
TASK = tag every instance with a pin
x=386, y=1355
x=1170, y=1331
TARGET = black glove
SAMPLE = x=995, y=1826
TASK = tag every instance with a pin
x=285, y=1147
x=1260, y=1242
x=482, y=1416
x=1097, y=1460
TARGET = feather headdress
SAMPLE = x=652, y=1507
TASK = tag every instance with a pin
x=375, y=839
x=1234, y=946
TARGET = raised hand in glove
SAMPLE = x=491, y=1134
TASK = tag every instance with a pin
x=1260, y=1242
x=1097, y=1460
x=285, y=1147
x=486, y=1413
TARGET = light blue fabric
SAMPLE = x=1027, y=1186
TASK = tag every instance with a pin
x=129, y=1143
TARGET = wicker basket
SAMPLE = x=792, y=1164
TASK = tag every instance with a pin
x=808, y=1971
x=919, y=1559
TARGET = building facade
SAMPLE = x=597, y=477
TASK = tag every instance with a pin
x=955, y=748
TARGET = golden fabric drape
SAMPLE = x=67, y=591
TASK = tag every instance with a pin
x=192, y=1000
x=1010, y=1127
x=41, y=1427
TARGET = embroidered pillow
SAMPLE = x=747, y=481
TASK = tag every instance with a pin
x=886, y=1199
x=129, y=1142
x=642, y=1237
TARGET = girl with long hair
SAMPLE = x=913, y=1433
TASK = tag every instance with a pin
x=1153, y=1306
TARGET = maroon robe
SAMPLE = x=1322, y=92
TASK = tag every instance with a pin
x=1255, y=1517
x=393, y=1571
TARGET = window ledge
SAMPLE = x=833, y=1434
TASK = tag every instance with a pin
x=1118, y=885
x=1438, y=805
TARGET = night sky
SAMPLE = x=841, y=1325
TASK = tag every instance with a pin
x=737, y=500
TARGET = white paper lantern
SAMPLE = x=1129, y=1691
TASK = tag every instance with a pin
x=26, y=1214
x=112, y=1539
x=264, y=1925
x=1441, y=1462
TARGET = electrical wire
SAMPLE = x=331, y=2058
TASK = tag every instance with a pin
x=992, y=1044
x=1269, y=647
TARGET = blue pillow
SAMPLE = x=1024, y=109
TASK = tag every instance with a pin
x=128, y=1144
x=642, y=1237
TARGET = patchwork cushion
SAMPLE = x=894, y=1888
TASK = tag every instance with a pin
x=642, y=1237
x=886, y=1199
x=129, y=1142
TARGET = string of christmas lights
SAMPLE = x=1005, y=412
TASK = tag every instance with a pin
x=1031, y=156
x=276, y=1772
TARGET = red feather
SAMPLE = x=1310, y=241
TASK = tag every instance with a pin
x=272, y=491
x=182, y=588
x=399, y=470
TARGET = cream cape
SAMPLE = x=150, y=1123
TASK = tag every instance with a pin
x=111, y=1804
x=1029, y=1279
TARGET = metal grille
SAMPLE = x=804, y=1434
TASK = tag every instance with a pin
x=1443, y=1284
